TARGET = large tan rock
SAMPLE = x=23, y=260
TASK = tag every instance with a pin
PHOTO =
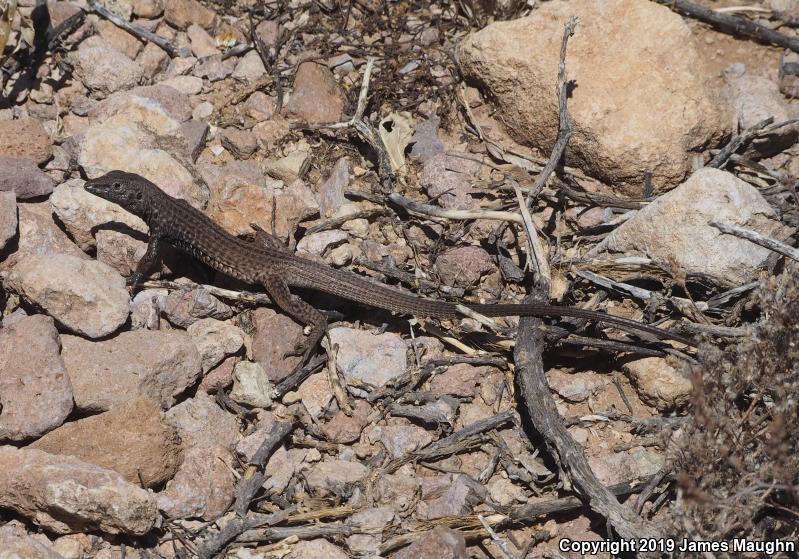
x=643, y=98
x=133, y=440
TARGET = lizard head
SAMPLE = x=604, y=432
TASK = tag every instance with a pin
x=125, y=189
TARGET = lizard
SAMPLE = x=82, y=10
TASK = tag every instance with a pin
x=270, y=264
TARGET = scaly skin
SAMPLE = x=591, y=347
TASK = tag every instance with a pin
x=271, y=265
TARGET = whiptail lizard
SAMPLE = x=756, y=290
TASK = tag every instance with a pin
x=268, y=263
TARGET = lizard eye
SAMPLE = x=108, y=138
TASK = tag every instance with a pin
x=138, y=196
x=117, y=186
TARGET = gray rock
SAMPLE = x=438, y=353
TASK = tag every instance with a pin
x=16, y=543
x=24, y=178
x=373, y=359
x=154, y=364
x=251, y=385
x=675, y=230
x=331, y=194
x=173, y=101
x=400, y=439
x=215, y=340
x=439, y=543
x=449, y=495
x=241, y=143
x=312, y=549
x=184, y=308
x=575, y=387
x=64, y=495
x=35, y=390
x=250, y=67
x=85, y=296
x=201, y=421
x=8, y=217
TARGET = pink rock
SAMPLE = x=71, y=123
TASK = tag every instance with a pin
x=182, y=13
x=8, y=217
x=155, y=364
x=35, y=390
x=464, y=266
x=132, y=440
x=275, y=335
x=334, y=477
x=24, y=178
x=102, y=68
x=317, y=97
x=201, y=422
x=346, y=429
x=203, y=487
x=439, y=543
x=17, y=543
x=313, y=549
x=64, y=494
x=25, y=138
x=449, y=495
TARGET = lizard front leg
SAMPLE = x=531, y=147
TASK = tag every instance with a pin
x=299, y=310
x=146, y=262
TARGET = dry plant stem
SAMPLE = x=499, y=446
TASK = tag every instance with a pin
x=758, y=239
x=335, y=379
x=540, y=406
x=538, y=257
x=309, y=532
x=246, y=488
x=564, y=127
x=428, y=210
x=230, y=295
x=502, y=544
x=139, y=32
x=732, y=25
x=721, y=158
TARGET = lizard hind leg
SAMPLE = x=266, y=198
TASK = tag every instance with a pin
x=299, y=310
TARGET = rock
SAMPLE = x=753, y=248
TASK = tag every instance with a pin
x=220, y=376
x=275, y=335
x=319, y=243
x=755, y=98
x=238, y=198
x=23, y=178
x=15, y=543
x=63, y=494
x=155, y=364
x=446, y=178
x=288, y=168
x=343, y=428
x=35, y=390
x=658, y=384
x=184, y=308
x=188, y=85
x=315, y=393
x=312, y=549
x=152, y=59
x=400, y=440
x=621, y=467
x=103, y=69
x=369, y=358
x=138, y=136
x=439, y=543
x=120, y=251
x=118, y=38
x=425, y=144
x=449, y=495
x=674, y=229
x=241, y=143
x=148, y=9
x=39, y=235
x=460, y=379
x=463, y=266
x=214, y=68
x=203, y=487
x=132, y=440
x=334, y=477
x=272, y=131
x=196, y=133
x=268, y=31
x=145, y=310
x=202, y=44
x=25, y=138
x=201, y=422
x=575, y=387
x=317, y=97
x=399, y=491
x=215, y=340
x=172, y=100
x=250, y=68
x=8, y=218
x=182, y=13
x=85, y=296
x=203, y=111
x=251, y=385
x=666, y=106
x=331, y=194
x=260, y=107
x=82, y=213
